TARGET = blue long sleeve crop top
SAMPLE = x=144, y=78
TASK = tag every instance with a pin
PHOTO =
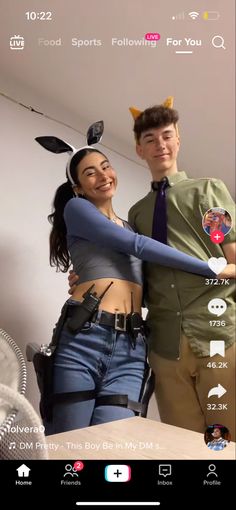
x=100, y=248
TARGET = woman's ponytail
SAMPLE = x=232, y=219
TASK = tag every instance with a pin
x=59, y=255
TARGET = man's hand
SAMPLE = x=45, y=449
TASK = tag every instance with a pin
x=229, y=272
x=229, y=250
x=72, y=279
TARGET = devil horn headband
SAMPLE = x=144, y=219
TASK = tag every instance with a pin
x=168, y=103
x=54, y=144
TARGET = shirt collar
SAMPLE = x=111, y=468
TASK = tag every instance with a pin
x=175, y=178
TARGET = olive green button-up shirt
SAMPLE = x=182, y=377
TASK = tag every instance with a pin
x=178, y=301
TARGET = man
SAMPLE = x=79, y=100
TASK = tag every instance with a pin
x=181, y=327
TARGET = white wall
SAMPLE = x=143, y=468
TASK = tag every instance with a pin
x=32, y=293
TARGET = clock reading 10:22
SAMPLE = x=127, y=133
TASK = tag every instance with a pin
x=38, y=16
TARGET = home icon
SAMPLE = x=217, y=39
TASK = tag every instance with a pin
x=23, y=471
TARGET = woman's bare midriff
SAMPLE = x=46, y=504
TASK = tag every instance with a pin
x=117, y=298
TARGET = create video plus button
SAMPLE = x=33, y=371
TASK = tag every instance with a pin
x=117, y=473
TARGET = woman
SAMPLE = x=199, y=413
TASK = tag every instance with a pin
x=218, y=442
x=99, y=371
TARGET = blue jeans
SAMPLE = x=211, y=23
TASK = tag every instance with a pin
x=97, y=358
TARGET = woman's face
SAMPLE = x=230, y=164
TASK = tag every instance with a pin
x=97, y=178
x=216, y=433
x=217, y=217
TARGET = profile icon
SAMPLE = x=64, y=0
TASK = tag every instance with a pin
x=217, y=437
x=217, y=219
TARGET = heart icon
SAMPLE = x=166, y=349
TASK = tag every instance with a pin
x=217, y=265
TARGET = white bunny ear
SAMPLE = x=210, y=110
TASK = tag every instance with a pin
x=53, y=144
x=95, y=132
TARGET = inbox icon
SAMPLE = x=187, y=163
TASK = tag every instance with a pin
x=117, y=473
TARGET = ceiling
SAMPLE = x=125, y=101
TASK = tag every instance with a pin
x=100, y=81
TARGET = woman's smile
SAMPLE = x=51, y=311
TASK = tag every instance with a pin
x=105, y=187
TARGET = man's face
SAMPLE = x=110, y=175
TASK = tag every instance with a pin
x=159, y=147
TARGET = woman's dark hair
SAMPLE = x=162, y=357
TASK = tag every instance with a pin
x=209, y=431
x=59, y=256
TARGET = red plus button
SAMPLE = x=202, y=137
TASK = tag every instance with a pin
x=217, y=237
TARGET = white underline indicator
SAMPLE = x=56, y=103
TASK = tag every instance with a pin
x=118, y=503
x=186, y=52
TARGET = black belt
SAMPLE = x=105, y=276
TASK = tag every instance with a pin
x=118, y=321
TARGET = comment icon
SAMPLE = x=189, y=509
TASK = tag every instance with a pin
x=217, y=306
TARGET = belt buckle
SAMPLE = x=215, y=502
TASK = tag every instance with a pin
x=117, y=320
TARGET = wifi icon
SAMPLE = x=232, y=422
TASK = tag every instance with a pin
x=193, y=15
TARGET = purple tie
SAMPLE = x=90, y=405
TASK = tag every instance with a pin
x=159, y=226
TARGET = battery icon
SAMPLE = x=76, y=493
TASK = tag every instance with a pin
x=211, y=15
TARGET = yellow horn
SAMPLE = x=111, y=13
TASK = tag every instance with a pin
x=134, y=112
x=169, y=102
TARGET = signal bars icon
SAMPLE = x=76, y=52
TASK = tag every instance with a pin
x=178, y=16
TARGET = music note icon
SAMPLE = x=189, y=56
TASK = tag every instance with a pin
x=12, y=446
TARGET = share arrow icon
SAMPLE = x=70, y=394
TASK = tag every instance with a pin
x=219, y=391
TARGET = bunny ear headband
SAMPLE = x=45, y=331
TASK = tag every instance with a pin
x=168, y=103
x=54, y=144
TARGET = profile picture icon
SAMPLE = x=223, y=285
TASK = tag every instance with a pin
x=217, y=219
x=217, y=437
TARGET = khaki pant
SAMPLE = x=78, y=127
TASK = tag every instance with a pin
x=182, y=387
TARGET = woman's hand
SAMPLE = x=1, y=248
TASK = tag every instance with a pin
x=229, y=272
x=73, y=279
x=208, y=218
